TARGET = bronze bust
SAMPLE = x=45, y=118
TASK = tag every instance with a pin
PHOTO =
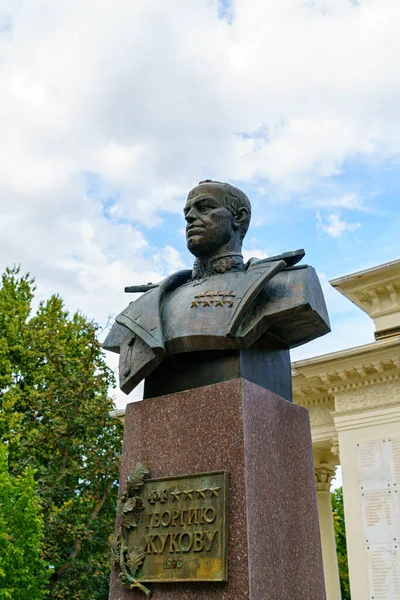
x=223, y=318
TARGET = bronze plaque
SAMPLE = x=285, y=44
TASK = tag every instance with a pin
x=182, y=528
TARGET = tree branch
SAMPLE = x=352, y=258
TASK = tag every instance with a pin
x=63, y=463
x=78, y=544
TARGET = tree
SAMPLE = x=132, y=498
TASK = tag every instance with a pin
x=54, y=416
x=24, y=575
x=340, y=536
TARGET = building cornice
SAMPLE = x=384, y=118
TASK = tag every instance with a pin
x=368, y=365
x=331, y=357
x=375, y=291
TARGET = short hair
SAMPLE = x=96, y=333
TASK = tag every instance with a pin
x=235, y=200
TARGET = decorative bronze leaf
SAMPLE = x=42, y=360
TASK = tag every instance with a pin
x=127, y=557
x=115, y=553
x=121, y=503
x=131, y=504
x=135, y=559
x=135, y=479
x=131, y=519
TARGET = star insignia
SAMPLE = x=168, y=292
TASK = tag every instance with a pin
x=214, y=491
x=195, y=304
x=207, y=302
x=175, y=495
x=201, y=493
x=219, y=303
x=188, y=494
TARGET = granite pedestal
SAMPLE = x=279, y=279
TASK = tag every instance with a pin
x=264, y=442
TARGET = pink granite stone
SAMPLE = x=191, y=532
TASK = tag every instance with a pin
x=265, y=444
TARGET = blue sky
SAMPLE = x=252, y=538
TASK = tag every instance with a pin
x=110, y=113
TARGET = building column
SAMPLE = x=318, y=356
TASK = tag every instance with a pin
x=323, y=477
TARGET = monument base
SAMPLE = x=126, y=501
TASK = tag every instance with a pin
x=264, y=442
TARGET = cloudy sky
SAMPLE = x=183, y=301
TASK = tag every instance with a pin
x=111, y=111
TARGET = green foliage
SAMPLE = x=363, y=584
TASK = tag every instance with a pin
x=54, y=417
x=24, y=575
x=340, y=536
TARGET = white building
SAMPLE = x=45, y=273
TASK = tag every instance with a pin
x=354, y=402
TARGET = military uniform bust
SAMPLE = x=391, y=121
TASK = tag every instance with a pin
x=211, y=315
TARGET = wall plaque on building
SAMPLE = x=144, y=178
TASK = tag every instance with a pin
x=173, y=529
x=378, y=463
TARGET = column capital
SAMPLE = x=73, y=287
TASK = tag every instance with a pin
x=323, y=477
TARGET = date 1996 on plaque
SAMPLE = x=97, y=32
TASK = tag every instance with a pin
x=174, y=563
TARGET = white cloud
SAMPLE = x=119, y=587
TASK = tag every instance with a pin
x=136, y=95
x=117, y=162
x=254, y=252
x=110, y=112
x=334, y=226
x=169, y=260
x=347, y=201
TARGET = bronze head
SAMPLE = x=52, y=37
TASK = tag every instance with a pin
x=218, y=217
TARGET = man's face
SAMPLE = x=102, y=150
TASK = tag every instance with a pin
x=209, y=223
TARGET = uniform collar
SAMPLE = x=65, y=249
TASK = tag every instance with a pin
x=230, y=261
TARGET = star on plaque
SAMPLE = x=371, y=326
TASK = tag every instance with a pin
x=175, y=495
x=214, y=491
x=188, y=494
x=201, y=493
